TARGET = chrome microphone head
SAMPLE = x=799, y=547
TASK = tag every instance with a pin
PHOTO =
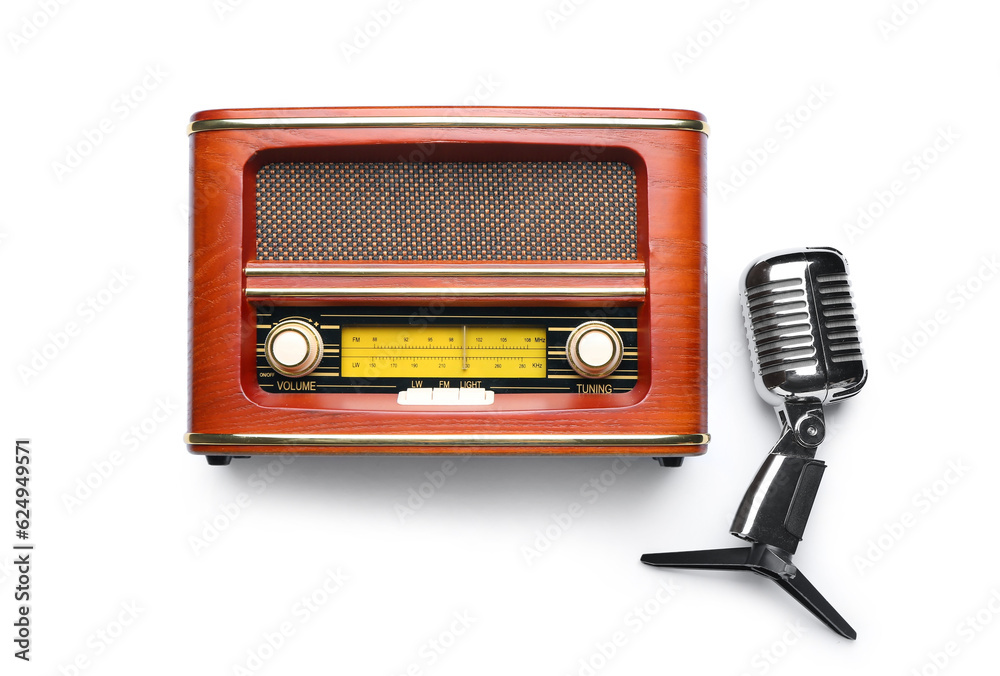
x=802, y=328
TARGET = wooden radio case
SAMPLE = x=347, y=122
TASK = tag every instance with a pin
x=448, y=280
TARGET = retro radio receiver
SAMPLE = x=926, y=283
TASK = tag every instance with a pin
x=430, y=280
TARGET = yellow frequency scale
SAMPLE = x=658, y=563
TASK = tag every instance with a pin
x=461, y=351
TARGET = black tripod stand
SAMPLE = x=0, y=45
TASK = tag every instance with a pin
x=772, y=517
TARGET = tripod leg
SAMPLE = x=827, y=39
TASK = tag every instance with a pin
x=736, y=558
x=799, y=587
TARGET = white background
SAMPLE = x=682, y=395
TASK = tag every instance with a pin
x=894, y=82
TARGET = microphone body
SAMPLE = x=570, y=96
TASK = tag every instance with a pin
x=806, y=353
x=803, y=334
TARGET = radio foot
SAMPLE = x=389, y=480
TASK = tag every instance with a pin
x=671, y=461
x=219, y=460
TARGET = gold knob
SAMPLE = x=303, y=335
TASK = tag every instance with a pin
x=293, y=348
x=594, y=349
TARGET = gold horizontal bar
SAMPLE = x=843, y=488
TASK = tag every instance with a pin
x=353, y=386
x=236, y=124
x=473, y=317
x=253, y=292
x=197, y=439
x=638, y=270
x=556, y=375
x=326, y=348
x=573, y=328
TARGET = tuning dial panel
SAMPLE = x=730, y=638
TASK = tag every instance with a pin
x=452, y=355
x=293, y=348
x=594, y=349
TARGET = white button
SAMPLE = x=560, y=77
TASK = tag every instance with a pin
x=475, y=396
x=444, y=395
x=290, y=348
x=414, y=396
x=596, y=348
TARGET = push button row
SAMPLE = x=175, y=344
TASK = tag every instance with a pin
x=446, y=396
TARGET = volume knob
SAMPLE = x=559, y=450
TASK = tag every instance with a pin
x=594, y=349
x=293, y=348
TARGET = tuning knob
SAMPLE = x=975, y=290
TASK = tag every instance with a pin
x=594, y=349
x=293, y=348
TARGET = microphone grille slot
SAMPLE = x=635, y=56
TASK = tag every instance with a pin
x=839, y=322
x=780, y=326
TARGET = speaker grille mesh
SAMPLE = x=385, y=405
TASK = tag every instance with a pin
x=489, y=211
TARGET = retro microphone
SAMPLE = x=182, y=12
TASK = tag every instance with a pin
x=803, y=336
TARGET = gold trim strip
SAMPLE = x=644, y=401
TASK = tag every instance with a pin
x=562, y=377
x=573, y=328
x=470, y=317
x=197, y=439
x=446, y=271
x=253, y=292
x=237, y=124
